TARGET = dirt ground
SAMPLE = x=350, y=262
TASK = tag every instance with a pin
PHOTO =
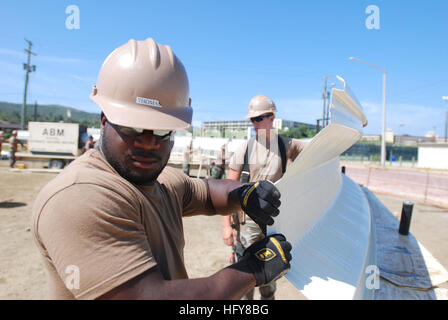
x=22, y=275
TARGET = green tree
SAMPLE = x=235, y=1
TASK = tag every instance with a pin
x=298, y=132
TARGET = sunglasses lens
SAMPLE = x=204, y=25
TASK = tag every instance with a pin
x=162, y=134
x=260, y=118
x=134, y=132
x=131, y=132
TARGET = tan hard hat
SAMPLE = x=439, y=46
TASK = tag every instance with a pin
x=260, y=105
x=142, y=84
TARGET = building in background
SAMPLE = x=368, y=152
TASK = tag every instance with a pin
x=240, y=129
x=371, y=138
x=401, y=140
x=8, y=127
x=433, y=155
x=406, y=140
x=390, y=136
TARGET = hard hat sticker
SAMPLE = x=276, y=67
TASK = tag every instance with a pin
x=148, y=102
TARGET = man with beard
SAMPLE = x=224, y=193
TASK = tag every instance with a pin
x=110, y=225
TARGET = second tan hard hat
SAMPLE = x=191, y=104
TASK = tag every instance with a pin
x=142, y=84
x=260, y=105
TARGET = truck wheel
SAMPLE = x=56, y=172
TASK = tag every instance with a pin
x=56, y=164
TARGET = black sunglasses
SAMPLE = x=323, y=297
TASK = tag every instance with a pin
x=161, y=135
x=261, y=118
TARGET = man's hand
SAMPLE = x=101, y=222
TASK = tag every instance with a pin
x=260, y=200
x=268, y=259
x=228, y=235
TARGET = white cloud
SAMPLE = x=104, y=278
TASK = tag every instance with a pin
x=10, y=52
x=8, y=68
x=41, y=58
x=87, y=79
x=53, y=59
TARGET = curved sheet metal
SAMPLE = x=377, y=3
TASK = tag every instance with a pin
x=346, y=100
x=324, y=214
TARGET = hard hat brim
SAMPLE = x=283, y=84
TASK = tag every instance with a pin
x=258, y=113
x=145, y=117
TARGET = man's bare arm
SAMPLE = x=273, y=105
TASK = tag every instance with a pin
x=234, y=175
x=229, y=283
x=229, y=237
x=224, y=201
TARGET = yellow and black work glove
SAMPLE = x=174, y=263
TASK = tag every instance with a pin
x=268, y=259
x=260, y=201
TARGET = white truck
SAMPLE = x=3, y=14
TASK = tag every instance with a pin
x=58, y=142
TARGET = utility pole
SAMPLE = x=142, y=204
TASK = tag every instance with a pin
x=327, y=113
x=35, y=110
x=326, y=101
x=324, y=98
x=29, y=68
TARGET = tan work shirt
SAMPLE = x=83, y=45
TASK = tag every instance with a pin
x=96, y=230
x=265, y=163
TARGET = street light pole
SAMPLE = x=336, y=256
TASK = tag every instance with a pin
x=383, y=138
x=327, y=114
x=326, y=101
x=445, y=98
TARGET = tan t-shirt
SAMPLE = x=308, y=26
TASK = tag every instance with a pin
x=265, y=162
x=96, y=230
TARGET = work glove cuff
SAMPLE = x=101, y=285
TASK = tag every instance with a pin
x=260, y=200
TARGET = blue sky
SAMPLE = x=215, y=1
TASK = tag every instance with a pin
x=233, y=50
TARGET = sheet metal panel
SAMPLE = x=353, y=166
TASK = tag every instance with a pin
x=324, y=214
